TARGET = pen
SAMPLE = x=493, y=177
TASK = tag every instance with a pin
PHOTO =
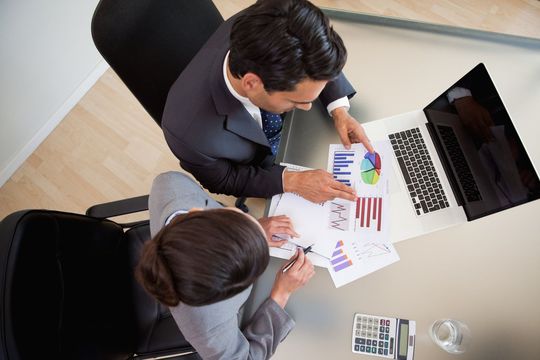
x=288, y=266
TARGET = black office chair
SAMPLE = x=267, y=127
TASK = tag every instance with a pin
x=148, y=43
x=67, y=289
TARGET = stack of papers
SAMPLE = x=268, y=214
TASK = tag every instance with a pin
x=349, y=238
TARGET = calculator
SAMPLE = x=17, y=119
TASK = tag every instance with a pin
x=383, y=336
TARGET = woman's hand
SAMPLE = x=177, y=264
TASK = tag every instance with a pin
x=288, y=281
x=277, y=229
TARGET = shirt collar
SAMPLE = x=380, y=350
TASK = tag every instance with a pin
x=253, y=110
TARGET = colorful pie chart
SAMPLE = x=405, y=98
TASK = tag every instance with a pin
x=370, y=168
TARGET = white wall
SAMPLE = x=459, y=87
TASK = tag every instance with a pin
x=47, y=63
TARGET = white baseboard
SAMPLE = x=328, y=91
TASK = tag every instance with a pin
x=52, y=122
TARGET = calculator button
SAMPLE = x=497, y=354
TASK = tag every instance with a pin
x=385, y=351
x=370, y=321
x=381, y=329
x=373, y=350
x=356, y=347
x=386, y=344
x=381, y=336
x=368, y=349
x=368, y=342
x=391, y=345
x=386, y=336
x=358, y=332
x=387, y=329
x=382, y=322
x=358, y=325
x=376, y=320
x=380, y=351
x=364, y=334
x=387, y=322
x=362, y=348
x=381, y=344
x=357, y=340
x=362, y=341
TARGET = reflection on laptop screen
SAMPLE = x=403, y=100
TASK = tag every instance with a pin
x=480, y=148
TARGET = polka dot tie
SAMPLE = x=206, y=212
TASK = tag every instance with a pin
x=271, y=125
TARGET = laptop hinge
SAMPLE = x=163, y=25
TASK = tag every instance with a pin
x=446, y=165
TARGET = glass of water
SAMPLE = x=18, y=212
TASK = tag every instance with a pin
x=452, y=336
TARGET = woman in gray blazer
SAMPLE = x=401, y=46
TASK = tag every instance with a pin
x=202, y=261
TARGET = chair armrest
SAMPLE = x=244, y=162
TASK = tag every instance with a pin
x=119, y=207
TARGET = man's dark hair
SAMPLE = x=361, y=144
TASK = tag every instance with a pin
x=285, y=42
x=203, y=257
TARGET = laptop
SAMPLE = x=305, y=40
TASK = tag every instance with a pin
x=457, y=160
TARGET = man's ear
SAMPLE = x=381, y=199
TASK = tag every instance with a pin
x=251, y=82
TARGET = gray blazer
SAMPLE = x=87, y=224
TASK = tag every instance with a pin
x=214, y=136
x=213, y=330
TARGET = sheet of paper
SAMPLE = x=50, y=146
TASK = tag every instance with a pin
x=305, y=217
x=356, y=255
x=367, y=174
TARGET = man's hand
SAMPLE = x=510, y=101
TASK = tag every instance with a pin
x=276, y=225
x=474, y=117
x=292, y=279
x=316, y=186
x=349, y=130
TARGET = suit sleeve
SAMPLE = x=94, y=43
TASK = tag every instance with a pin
x=172, y=191
x=224, y=176
x=336, y=89
x=269, y=326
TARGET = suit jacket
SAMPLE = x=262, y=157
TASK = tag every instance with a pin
x=214, y=330
x=212, y=134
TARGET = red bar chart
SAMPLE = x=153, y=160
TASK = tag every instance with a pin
x=369, y=213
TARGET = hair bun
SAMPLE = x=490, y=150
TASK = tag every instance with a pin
x=153, y=272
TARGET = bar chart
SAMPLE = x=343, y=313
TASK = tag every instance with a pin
x=343, y=166
x=369, y=213
x=340, y=260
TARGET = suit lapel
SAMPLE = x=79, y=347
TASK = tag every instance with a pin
x=238, y=120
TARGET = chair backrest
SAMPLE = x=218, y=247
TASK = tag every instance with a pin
x=148, y=43
x=67, y=291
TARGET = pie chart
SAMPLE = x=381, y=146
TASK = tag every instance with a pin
x=370, y=168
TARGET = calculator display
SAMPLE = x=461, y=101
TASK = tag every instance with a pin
x=403, y=339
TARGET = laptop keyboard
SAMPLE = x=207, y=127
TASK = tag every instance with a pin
x=422, y=180
x=463, y=171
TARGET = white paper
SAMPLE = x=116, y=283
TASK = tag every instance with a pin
x=305, y=217
x=356, y=255
x=368, y=175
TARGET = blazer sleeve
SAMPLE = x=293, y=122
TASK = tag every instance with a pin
x=269, y=326
x=226, y=177
x=172, y=191
x=336, y=89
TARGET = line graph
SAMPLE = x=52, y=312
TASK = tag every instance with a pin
x=339, y=216
x=374, y=249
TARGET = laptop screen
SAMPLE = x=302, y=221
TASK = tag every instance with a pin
x=483, y=156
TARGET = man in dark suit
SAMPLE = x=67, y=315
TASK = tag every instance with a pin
x=223, y=118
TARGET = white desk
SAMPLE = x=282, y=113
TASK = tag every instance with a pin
x=485, y=272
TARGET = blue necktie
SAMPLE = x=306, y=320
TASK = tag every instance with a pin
x=271, y=125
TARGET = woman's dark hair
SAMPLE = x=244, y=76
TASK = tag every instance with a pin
x=285, y=42
x=203, y=257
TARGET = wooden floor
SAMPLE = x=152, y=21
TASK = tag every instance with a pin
x=108, y=148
